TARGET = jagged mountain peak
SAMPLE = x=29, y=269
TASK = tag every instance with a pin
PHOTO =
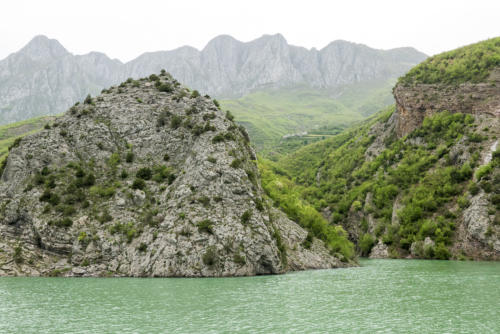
x=43, y=48
x=225, y=68
x=221, y=40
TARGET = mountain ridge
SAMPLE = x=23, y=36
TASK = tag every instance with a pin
x=44, y=78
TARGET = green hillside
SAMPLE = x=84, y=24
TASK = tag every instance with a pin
x=9, y=133
x=471, y=63
x=431, y=187
x=270, y=115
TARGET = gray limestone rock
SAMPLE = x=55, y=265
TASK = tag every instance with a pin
x=147, y=179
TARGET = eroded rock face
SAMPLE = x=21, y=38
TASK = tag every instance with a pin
x=477, y=233
x=143, y=182
x=416, y=102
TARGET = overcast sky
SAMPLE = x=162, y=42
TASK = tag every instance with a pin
x=125, y=29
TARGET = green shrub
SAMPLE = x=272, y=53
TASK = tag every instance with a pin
x=162, y=173
x=79, y=172
x=105, y=217
x=236, y=163
x=114, y=160
x=101, y=191
x=218, y=138
x=165, y=87
x=206, y=226
x=195, y=94
x=245, y=217
x=204, y=200
x=65, y=222
x=259, y=205
x=18, y=255
x=3, y=165
x=142, y=247
x=356, y=205
x=144, y=173
x=388, y=239
x=129, y=157
x=128, y=230
x=15, y=144
x=463, y=202
x=428, y=228
x=123, y=174
x=88, y=99
x=210, y=256
x=229, y=115
x=175, y=122
x=209, y=116
x=163, y=117
x=244, y=133
x=139, y=184
x=476, y=137
x=82, y=237
x=308, y=241
x=473, y=188
x=366, y=244
x=66, y=210
x=211, y=159
x=239, y=259
x=88, y=180
x=50, y=198
x=495, y=200
x=482, y=171
x=429, y=251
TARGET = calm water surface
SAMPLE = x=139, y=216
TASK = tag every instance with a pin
x=383, y=296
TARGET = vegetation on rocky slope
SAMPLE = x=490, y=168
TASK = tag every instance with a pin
x=286, y=195
x=471, y=63
x=9, y=133
x=416, y=188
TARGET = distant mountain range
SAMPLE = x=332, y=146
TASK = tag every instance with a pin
x=44, y=78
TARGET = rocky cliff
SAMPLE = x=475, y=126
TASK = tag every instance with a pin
x=464, y=80
x=44, y=78
x=415, y=102
x=147, y=179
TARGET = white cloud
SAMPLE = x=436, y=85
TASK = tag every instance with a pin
x=124, y=29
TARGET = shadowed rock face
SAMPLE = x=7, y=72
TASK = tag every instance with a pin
x=143, y=182
x=414, y=103
x=44, y=78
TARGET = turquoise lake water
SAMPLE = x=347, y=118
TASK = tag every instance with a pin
x=382, y=296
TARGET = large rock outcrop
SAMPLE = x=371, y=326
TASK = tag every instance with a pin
x=148, y=179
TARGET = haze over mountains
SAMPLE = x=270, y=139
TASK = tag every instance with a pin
x=44, y=78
